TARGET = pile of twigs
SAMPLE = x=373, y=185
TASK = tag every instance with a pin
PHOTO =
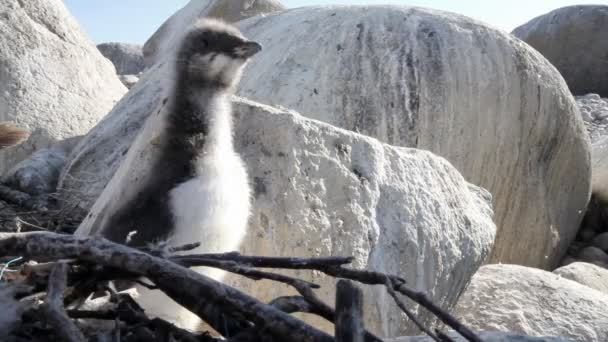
x=69, y=269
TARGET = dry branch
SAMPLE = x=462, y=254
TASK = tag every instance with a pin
x=229, y=311
x=194, y=291
x=333, y=266
x=349, y=313
x=53, y=308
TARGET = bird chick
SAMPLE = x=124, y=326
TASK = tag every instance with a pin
x=197, y=189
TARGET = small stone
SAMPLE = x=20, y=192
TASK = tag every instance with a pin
x=128, y=80
x=39, y=173
x=127, y=58
x=591, y=97
x=601, y=114
x=586, y=116
x=601, y=242
x=593, y=255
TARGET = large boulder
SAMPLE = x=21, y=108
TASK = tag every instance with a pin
x=164, y=40
x=490, y=104
x=128, y=59
x=574, y=39
x=53, y=80
x=533, y=302
x=319, y=191
x=595, y=277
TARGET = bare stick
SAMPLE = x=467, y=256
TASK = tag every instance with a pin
x=254, y=274
x=53, y=308
x=291, y=304
x=349, y=313
x=267, y=262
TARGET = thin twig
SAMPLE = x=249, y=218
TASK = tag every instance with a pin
x=408, y=313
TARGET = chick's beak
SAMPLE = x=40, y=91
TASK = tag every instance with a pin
x=247, y=49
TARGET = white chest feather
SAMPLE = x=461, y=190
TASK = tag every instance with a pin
x=214, y=207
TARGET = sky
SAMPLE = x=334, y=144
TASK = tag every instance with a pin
x=133, y=21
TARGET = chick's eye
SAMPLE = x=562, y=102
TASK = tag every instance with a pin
x=205, y=42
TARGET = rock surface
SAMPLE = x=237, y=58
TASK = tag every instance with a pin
x=53, y=80
x=39, y=173
x=321, y=191
x=434, y=80
x=594, y=111
x=164, y=40
x=128, y=59
x=533, y=302
x=587, y=274
x=573, y=39
x=494, y=336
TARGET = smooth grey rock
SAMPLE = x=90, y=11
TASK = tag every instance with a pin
x=53, y=81
x=593, y=255
x=574, y=39
x=319, y=191
x=164, y=40
x=435, y=80
x=493, y=336
x=533, y=302
x=591, y=275
x=128, y=59
x=586, y=234
x=601, y=242
x=39, y=173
